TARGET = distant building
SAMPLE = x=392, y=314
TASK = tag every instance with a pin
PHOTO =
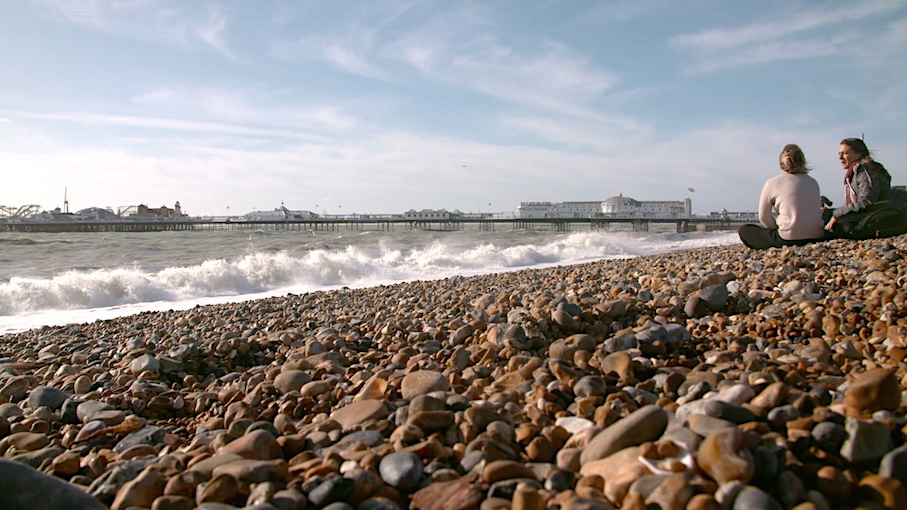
x=143, y=212
x=96, y=214
x=614, y=207
x=734, y=216
x=279, y=214
x=427, y=214
x=626, y=207
x=563, y=210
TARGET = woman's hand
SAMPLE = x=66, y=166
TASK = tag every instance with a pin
x=831, y=223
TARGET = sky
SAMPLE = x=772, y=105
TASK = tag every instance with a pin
x=363, y=106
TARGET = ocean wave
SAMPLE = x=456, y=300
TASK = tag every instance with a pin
x=327, y=266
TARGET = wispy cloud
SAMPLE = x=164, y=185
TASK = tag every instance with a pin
x=211, y=30
x=604, y=135
x=348, y=54
x=795, y=36
x=172, y=124
x=247, y=107
x=181, y=24
x=550, y=76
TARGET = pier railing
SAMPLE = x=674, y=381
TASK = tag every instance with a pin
x=322, y=224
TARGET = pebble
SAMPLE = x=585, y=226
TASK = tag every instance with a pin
x=724, y=456
x=644, y=424
x=24, y=487
x=401, y=470
x=718, y=377
x=46, y=396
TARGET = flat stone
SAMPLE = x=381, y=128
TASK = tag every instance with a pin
x=355, y=413
x=27, y=441
x=255, y=445
x=715, y=408
x=254, y=471
x=645, y=424
x=505, y=470
x=207, y=466
x=460, y=494
x=291, y=380
x=148, y=435
x=86, y=409
x=143, y=363
x=421, y=382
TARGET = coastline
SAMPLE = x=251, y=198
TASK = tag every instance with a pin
x=492, y=387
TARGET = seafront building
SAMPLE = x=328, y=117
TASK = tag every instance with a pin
x=279, y=214
x=614, y=207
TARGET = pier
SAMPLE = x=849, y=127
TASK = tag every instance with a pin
x=370, y=224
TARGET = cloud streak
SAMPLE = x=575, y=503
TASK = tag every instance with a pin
x=793, y=37
x=127, y=19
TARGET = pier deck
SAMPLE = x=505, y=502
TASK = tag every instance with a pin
x=363, y=224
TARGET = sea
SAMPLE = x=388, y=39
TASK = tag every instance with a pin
x=53, y=279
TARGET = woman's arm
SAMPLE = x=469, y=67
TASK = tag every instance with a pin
x=867, y=187
x=766, y=204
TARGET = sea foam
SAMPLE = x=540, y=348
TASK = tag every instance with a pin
x=84, y=295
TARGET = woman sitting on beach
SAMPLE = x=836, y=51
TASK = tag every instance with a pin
x=871, y=208
x=795, y=197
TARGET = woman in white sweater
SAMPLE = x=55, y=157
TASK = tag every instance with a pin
x=794, y=197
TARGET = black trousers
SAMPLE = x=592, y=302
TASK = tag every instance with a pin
x=758, y=237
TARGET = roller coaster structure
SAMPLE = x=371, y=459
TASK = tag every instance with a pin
x=19, y=213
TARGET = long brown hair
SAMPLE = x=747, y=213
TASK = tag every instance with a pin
x=792, y=160
x=859, y=146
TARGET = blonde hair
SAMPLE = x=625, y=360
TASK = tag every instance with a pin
x=792, y=160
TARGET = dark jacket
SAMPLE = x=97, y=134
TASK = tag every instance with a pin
x=869, y=184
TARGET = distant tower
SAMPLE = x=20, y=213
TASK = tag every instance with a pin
x=65, y=199
x=176, y=209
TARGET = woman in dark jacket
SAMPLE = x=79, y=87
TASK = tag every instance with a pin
x=865, y=182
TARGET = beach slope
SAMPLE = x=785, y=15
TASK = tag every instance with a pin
x=693, y=379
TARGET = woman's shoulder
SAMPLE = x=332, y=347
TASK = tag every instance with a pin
x=796, y=178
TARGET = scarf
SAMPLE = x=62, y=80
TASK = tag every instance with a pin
x=850, y=194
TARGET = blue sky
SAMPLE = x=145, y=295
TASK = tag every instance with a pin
x=386, y=106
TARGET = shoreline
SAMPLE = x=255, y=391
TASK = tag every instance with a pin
x=561, y=385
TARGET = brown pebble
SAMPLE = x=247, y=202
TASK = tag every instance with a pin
x=527, y=497
x=141, y=492
x=173, y=503
x=887, y=491
x=873, y=390
x=221, y=489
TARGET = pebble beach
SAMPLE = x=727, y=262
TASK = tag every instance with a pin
x=716, y=378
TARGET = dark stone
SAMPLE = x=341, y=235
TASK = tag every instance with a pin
x=22, y=487
x=333, y=489
x=46, y=396
x=148, y=435
x=402, y=470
